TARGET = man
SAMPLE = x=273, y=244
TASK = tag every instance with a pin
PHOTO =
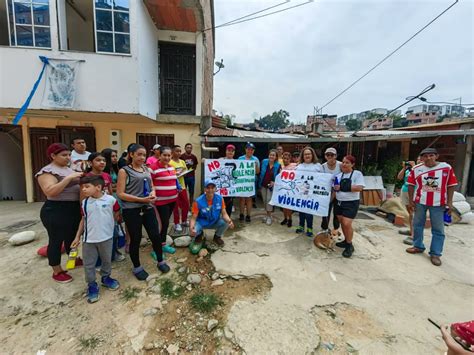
x=191, y=164
x=434, y=182
x=209, y=213
x=182, y=202
x=79, y=154
x=280, y=154
x=247, y=201
x=155, y=157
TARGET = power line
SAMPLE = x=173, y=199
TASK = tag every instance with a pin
x=389, y=55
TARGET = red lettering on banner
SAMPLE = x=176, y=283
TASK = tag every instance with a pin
x=213, y=165
x=287, y=175
x=223, y=192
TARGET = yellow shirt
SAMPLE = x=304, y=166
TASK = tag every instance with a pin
x=180, y=168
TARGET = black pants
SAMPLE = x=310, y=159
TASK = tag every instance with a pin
x=325, y=221
x=165, y=212
x=61, y=219
x=229, y=204
x=134, y=219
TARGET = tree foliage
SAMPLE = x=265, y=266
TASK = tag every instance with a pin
x=353, y=125
x=229, y=119
x=277, y=120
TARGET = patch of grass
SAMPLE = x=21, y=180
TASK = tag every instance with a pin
x=129, y=293
x=89, y=343
x=170, y=290
x=205, y=302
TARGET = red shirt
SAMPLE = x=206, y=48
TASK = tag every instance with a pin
x=164, y=183
x=191, y=162
x=432, y=183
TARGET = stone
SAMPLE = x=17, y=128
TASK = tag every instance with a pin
x=203, y=252
x=181, y=260
x=237, y=277
x=172, y=329
x=194, y=279
x=149, y=346
x=211, y=324
x=199, y=259
x=361, y=295
x=218, y=333
x=157, y=304
x=172, y=349
x=331, y=312
x=182, y=241
x=182, y=270
x=156, y=289
x=215, y=276
x=189, y=287
x=217, y=282
x=150, y=312
x=22, y=238
x=228, y=334
x=152, y=277
x=169, y=240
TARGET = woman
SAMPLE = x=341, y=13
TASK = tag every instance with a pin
x=331, y=166
x=287, y=165
x=61, y=213
x=134, y=188
x=269, y=170
x=309, y=163
x=348, y=184
x=229, y=201
x=111, y=165
x=166, y=186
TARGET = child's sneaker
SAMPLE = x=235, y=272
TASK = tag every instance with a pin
x=168, y=249
x=110, y=283
x=309, y=232
x=141, y=275
x=299, y=229
x=163, y=267
x=93, y=292
x=119, y=257
x=62, y=277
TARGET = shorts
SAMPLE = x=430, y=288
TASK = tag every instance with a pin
x=346, y=209
x=404, y=197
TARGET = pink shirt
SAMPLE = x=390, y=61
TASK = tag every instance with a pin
x=151, y=160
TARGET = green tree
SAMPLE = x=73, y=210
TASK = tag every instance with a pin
x=229, y=119
x=353, y=125
x=277, y=120
x=399, y=121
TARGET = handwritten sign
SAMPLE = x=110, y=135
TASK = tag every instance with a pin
x=303, y=191
x=233, y=178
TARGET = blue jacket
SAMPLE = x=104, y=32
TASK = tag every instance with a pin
x=209, y=215
x=263, y=170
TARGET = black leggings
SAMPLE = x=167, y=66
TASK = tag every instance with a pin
x=229, y=204
x=134, y=222
x=165, y=212
x=61, y=219
x=325, y=221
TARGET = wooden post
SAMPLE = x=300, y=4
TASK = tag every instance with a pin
x=405, y=151
x=467, y=165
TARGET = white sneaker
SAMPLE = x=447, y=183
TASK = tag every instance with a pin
x=178, y=228
x=269, y=221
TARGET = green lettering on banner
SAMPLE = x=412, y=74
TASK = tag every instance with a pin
x=241, y=166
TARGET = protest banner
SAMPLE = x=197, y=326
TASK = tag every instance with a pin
x=303, y=191
x=233, y=178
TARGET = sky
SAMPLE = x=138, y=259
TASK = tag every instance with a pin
x=303, y=57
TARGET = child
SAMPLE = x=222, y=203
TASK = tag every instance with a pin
x=99, y=212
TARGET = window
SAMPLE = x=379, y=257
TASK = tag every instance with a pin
x=112, y=24
x=29, y=23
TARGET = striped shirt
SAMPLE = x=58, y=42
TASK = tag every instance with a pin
x=432, y=183
x=164, y=183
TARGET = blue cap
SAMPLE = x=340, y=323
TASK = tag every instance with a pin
x=250, y=145
x=209, y=182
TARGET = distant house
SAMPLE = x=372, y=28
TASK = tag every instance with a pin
x=421, y=118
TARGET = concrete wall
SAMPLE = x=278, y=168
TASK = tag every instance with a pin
x=12, y=182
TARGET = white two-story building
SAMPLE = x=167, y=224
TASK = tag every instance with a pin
x=145, y=74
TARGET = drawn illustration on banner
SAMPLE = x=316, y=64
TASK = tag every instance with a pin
x=303, y=191
x=233, y=178
x=60, y=86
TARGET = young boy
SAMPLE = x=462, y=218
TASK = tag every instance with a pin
x=99, y=212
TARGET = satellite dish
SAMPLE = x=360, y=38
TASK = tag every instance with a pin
x=220, y=64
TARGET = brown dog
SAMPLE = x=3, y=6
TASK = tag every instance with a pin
x=325, y=240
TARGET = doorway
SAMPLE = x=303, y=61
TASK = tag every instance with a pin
x=67, y=134
x=12, y=178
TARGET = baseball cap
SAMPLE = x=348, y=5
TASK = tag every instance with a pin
x=209, y=182
x=156, y=146
x=230, y=146
x=331, y=150
x=250, y=145
x=428, y=151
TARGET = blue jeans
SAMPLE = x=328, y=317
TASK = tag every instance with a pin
x=308, y=218
x=437, y=228
x=220, y=226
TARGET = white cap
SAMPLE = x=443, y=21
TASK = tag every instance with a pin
x=156, y=146
x=331, y=150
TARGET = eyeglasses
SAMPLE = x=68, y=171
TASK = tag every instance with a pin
x=330, y=155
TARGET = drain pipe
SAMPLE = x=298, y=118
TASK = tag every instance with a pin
x=209, y=149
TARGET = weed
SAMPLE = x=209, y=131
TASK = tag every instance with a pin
x=89, y=343
x=205, y=302
x=129, y=293
x=170, y=290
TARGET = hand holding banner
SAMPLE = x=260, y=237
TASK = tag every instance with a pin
x=233, y=178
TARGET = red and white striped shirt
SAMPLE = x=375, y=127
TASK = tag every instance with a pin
x=164, y=183
x=432, y=183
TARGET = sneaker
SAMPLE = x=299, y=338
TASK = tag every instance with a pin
x=404, y=232
x=348, y=250
x=218, y=241
x=62, y=277
x=285, y=221
x=110, y=283
x=309, y=233
x=241, y=217
x=79, y=262
x=93, y=292
x=163, y=267
x=408, y=241
x=141, y=275
x=178, y=228
x=168, y=249
x=247, y=219
x=290, y=223
x=342, y=244
x=269, y=221
x=299, y=229
x=119, y=257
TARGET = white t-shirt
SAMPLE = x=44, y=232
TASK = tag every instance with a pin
x=357, y=179
x=335, y=171
x=77, y=159
x=99, y=220
x=316, y=168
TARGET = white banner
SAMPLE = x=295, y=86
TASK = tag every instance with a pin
x=303, y=191
x=233, y=178
x=60, y=86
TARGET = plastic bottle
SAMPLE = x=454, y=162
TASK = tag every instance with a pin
x=447, y=217
x=336, y=181
x=146, y=188
x=71, y=260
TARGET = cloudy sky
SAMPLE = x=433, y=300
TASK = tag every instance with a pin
x=305, y=56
